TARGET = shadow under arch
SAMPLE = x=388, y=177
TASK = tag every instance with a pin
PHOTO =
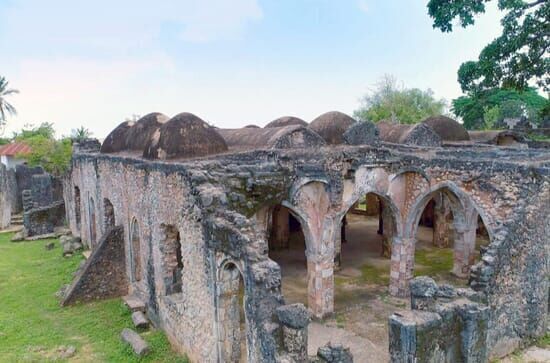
x=231, y=298
x=465, y=220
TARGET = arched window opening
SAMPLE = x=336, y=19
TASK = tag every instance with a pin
x=77, y=207
x=231, y=314
x=287, y=247
x=172, y=259
x=109, y=214
x=92, y=222
x=135, y=243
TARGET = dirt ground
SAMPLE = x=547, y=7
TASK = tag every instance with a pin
x=362, y=301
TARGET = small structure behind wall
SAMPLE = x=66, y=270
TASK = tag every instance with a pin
x=231, y=315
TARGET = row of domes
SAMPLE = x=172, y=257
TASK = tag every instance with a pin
x=186, y=135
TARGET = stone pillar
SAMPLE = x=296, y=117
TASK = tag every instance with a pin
x=280, y=229
x=294, y=319
x=373, y=205
x=338, y=251
x=320, y=284
x=464, y=249
x=402, y=266
x=442, y=222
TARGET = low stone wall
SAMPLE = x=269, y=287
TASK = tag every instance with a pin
x=43, y=220
x=104, y=273
x=444, y=325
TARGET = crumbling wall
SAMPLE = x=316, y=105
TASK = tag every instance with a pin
x=104, y=273
x=8, y=195
x=445, y=325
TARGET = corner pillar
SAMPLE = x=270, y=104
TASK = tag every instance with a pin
x=464, y=249
x=442, y=223
x=320, y=283
x=402, y=265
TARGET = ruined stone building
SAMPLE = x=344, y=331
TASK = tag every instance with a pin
x=191, y=219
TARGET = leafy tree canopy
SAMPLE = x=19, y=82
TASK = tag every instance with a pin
x=517, y=56
x=53, y=155
x=486, y=109
x=389, y=100
x=6, y=108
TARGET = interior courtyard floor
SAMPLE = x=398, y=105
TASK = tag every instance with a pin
x=362, y=300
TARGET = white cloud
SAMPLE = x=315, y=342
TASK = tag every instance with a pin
x=119, y=26
x=363, y=6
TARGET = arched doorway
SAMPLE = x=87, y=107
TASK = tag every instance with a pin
x=287, y=247
x=135, y=244
x=231, y=314
x=92, y=222
x=108, y=214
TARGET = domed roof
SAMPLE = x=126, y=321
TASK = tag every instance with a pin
x=143, y=129
x=251, y=127
x=286, y=121
x=447, y=128
x=116, y=140
x=331, y=126
x=418, y=134
x=184, y=136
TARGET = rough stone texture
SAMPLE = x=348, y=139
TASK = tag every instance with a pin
x=218, y=205
x=103, y=274
x=139, y=346
x=295, y=316
x=43, y=220
x=331, y=126
x=334, y=353
x=116, y=140
x=8, y=196
x=419, y=134
x=362, y=133
x=23, y=176
x=442, y=327
x=139, y=320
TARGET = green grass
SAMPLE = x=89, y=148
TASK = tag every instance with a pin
x=374, y=275
x=544, y=341
x=433, y=262
x=33, y=325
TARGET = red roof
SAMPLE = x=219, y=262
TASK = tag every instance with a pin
x=15, y=148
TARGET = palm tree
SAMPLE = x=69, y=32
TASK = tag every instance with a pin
x=5, y=107
x=80, y=134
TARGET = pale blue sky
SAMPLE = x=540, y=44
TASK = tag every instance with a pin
x=231, y=62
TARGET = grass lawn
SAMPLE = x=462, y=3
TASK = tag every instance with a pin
x=33, y=325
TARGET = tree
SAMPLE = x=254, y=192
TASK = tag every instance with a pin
x=53, y=155
x=390, y=100
x=6, y=108
x=501, y=103
x=80, y=134
x=519, y=55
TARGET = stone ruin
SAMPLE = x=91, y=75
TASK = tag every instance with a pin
x=37, y=195
x=184, y=226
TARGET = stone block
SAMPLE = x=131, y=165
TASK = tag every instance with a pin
x=139, y=319
x=139, y=346
x=134, y=303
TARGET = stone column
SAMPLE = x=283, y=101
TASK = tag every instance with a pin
x=294, y=320
x=402, y=265
x=442, y=222
x=464, y=249
x=320, y=283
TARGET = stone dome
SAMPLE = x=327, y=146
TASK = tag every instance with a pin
x=331, y=126
x=417, y=134
x=116, y=140
x=251, y=127
x=139, y=134
x=447, y=128
x=184, y=136
x=286, y=121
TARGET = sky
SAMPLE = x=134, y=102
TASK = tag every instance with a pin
x=230, y=62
